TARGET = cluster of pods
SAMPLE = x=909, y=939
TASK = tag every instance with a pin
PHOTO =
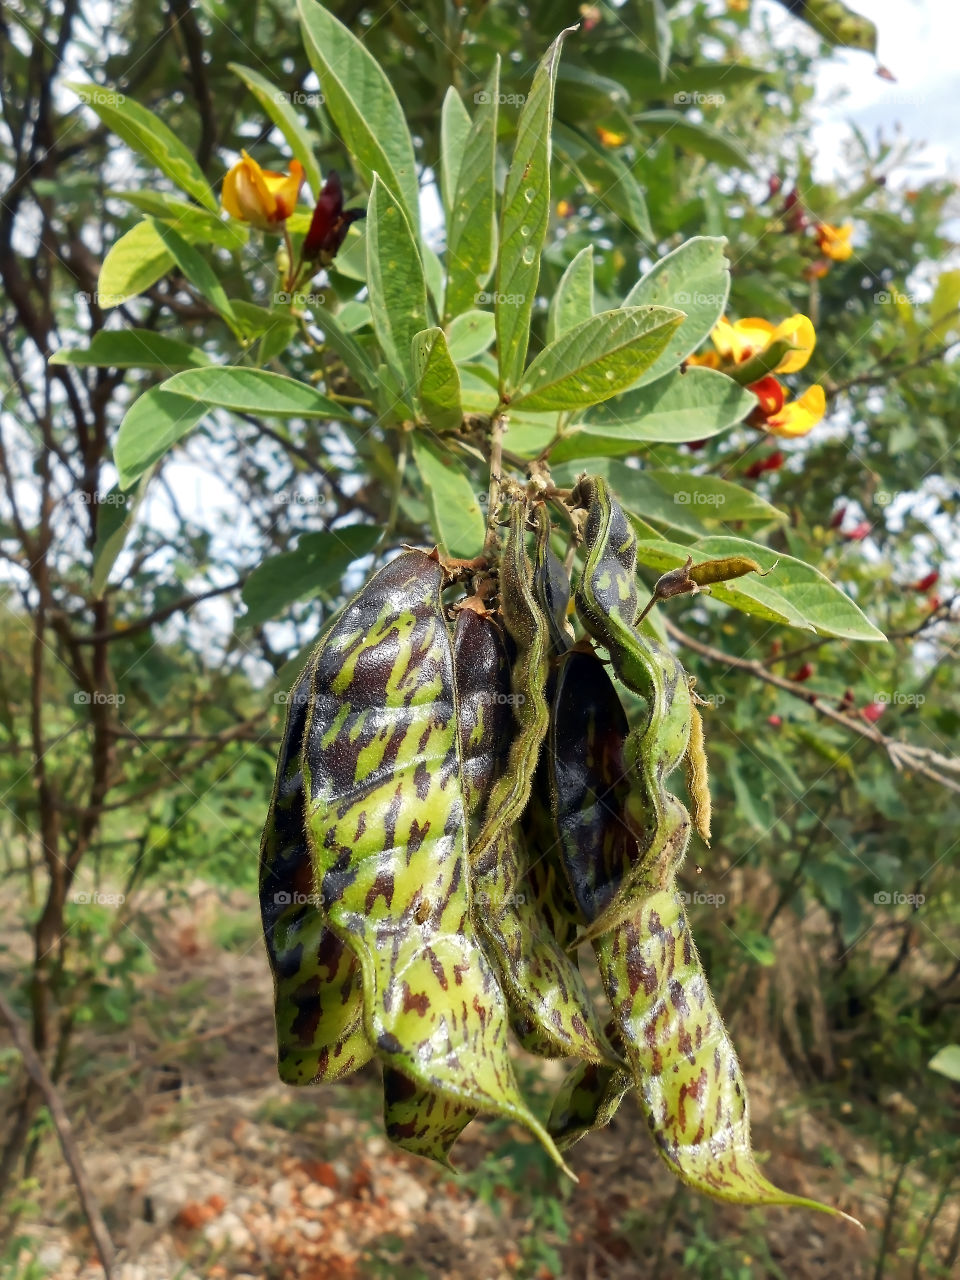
x=461, y=812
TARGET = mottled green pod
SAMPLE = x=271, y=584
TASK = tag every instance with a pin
x=318, y=997
x=688, y=1078
x=551, y=586
x=588, y=1099
x=551, y=1010
x=386, y=825
x=485, y=719
x=422, y=1121
x=606, y=601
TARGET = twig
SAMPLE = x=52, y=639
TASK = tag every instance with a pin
x=902, y=755
x=38, y=1073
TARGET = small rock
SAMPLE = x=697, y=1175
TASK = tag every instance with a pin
x=316, y=1196
x=281, y=1193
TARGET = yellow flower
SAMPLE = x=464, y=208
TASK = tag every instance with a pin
x=609, y=138
x=738, y=6
x=834, y=242
x=743, y=339
x=799, y=416
x=260, y=196
x=564, y=209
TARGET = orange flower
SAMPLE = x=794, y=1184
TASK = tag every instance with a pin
x=609, y=138
x=564, y=209
x=261, y=197
x=743, y=339
x=834, y=242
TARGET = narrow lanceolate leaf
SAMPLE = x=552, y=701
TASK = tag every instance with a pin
x=134, y=262
x=422, y=1121
x=437, y=380
x=196, y=224
x=597, y=359
x=680, y=406
x=150, y=137
x=280, y=110
x=454, y=130
x=524, y=218
x=573, y=301
x=198, y=271
x=150, y=427
x=256, y=391
x=688, y=1078
x=318, y=996
x=551, y=1009
x=451, y=495
x=363, y=106
x=471, y=218
x=133, y=349
x=695, y=277
x=395, y=280
x=607, y=604
x=794, y=593
x=386, y=827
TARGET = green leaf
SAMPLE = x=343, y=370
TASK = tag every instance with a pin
x=681, y=406
x=437, y=379
x=454, y=129
x=455, y=514
x=795, y=593
x=150, y=137
x=703, y=139
x=470, y=334
x=471, y=218
x=193, y=223
x=713, y=498
x=573, y=301
x=116, y=516
x=133, y=263
x=947, y=1062
x=362, y=103
x=524, y=218
x=662, y=34
x=278, y=107
x=695, y=278
x=133, y=349
x=257, y=391
x=198, y=271
x=395, y=280
x=314, y=567
x=596, y=359
x=607, y=179
x=944, y=315
x=155, y=421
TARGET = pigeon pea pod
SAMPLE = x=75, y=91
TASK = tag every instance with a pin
x=318, y=996
x=551, y=1010
x=606, y=601
x=681, y=1059
x=386, y=825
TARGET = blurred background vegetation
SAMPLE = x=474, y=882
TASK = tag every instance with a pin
x=138, y=691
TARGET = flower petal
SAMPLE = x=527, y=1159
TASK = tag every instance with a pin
x=799, y=332
x=799, y=416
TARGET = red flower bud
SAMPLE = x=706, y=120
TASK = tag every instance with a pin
x=836, y=520
x=772, y=462
x=873, y=711
x=926, y=582
x=774, y=184
x=330, y=222
x=775, y=721
x=934, y=602
x=803, y=673
x=858, y=532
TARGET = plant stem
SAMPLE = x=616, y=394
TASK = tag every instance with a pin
x=497, y=427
